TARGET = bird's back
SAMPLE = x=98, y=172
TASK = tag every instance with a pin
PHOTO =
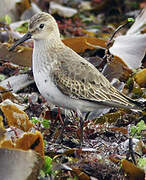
x=79, y=79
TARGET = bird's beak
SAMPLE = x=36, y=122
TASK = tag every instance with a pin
x=24, y=38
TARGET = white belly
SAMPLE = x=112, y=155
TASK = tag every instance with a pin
x=45, y=84
x=52, y=94
x=48, y=89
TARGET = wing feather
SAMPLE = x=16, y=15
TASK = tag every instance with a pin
x=81, y=80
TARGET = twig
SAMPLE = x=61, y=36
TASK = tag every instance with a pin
x=108, y=57
x=131, y=152
x=118, y=29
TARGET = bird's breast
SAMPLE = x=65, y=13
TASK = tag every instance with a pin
x=42, y=68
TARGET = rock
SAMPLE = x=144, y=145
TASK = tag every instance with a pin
x=62, y=10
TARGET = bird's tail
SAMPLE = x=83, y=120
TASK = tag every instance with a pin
x=140, y=104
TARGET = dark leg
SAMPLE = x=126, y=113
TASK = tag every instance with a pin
x=59, y=139
x=81, y=128
x=87, y=114
x=81, y=131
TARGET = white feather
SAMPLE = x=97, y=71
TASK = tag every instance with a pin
x=131, y=47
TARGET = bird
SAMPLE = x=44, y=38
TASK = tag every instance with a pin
x=66, y=79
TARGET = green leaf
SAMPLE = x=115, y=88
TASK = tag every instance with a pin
x=23, y=28
x=136, y=130
x=8, y=19
x=46, y=123
x=141, y=163
x=35, y=120
x=130, y=20
x=45, y=142
x=141, y=126
x=42, y=173
x=48, y=165
x=2, y=77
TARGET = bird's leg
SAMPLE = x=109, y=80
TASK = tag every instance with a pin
x=81, y=131
x=59, y=116
x=59, y=139
x=82, y=119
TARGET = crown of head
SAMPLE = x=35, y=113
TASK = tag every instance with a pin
x=43, y=24
x=38, y=18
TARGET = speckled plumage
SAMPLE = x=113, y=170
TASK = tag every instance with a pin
x=80, y=80
x=65, y=78
x=73, y=76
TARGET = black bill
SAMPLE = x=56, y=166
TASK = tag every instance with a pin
x=24, y=38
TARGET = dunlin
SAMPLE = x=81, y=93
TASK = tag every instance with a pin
x=63, y=77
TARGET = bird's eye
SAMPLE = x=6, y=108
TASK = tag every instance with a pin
x=41, y=26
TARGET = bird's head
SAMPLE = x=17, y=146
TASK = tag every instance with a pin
x=41, y=26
